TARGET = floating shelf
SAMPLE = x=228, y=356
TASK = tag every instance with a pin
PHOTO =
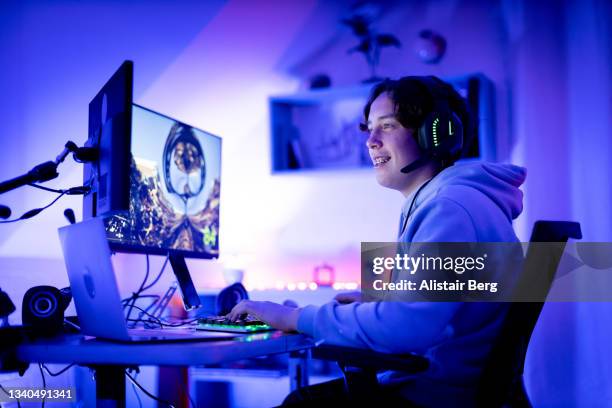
x=319, y=129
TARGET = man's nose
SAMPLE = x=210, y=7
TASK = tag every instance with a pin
x=373, y=141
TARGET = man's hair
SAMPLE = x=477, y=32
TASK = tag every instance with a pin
x=414, y=101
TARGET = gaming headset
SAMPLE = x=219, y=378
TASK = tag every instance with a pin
x=441, y=134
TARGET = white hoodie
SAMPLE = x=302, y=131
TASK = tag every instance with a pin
x=467, y=202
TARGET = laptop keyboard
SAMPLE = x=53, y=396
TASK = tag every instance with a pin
x=222, y=323
x=175, y=334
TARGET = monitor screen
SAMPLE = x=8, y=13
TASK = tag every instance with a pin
x=175, y=176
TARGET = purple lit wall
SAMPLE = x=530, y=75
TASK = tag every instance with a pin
x=214, y=64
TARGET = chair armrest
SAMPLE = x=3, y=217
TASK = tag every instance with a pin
x=368, y=359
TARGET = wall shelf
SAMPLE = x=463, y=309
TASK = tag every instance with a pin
x=319, y=129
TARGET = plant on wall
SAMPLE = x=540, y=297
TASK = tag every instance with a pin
x=370, y=40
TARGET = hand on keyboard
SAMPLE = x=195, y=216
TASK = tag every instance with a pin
x=278, y=316
x=222, y=323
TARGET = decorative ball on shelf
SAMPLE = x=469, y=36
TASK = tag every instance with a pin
x=430, y=46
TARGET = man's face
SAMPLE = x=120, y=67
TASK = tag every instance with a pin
x=391, y=145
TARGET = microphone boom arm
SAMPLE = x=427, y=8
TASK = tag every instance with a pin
x=48, y=170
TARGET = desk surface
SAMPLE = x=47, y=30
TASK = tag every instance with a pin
x=80, y=350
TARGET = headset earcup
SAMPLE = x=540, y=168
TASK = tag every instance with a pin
x=441, y=135
x=425, y=137
x=454, y=135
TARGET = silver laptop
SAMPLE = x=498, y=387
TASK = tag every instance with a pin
x=96, y=296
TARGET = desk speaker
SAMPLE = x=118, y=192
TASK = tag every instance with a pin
x=43, y=309
x=230, y=297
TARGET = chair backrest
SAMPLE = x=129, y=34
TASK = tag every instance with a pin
x=504, y=368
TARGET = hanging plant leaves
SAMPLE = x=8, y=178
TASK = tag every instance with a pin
x=364, y=47
x=387, y=40
x=358, y=24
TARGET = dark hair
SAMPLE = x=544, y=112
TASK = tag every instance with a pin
x=414, y=101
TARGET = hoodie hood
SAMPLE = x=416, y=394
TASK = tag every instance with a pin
x=499, y=182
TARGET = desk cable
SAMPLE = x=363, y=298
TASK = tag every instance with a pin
x=405, y=223
x=44, y=383
x=69, y=323
x=80, y=190
x=135, y=295
x=130, y=301
x=7, y=393
x=147, y=393
x=136, y=391
x=60, y=372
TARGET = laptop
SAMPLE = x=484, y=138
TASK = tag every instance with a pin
x=96, y=295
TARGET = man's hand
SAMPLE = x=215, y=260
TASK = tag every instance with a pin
x=348, y=297
x=278, y=316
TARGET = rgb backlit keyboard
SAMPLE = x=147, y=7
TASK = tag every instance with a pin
x=221, y=323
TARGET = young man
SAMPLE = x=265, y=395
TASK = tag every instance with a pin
x=444, y=202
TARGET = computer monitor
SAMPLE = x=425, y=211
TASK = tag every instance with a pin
x=156, y=181
x=110, y=123
x=175, y=181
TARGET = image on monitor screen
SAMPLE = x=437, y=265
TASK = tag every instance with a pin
x=175, y=177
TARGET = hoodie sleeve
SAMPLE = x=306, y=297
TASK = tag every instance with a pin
x=396, y=327
x=389, y=327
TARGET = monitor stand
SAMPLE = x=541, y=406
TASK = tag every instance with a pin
x=191, y=299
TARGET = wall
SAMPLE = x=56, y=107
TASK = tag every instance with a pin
x=569, y=348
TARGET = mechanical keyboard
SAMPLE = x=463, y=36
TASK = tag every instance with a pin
x=222, y=323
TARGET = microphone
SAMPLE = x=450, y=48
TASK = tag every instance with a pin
x=69, y=214
x=421, y=161
x=5, y=212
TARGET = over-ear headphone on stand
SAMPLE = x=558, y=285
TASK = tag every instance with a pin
x=230, y=297
x=440, y=136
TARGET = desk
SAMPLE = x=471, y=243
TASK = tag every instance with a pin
x=110, y=359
